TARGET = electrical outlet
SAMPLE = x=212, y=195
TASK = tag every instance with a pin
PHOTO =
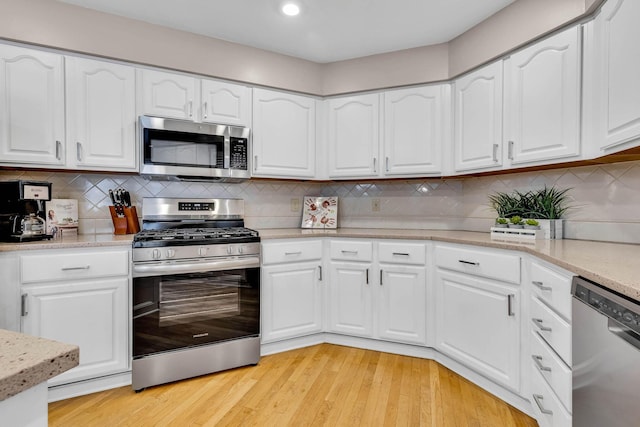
x=375, y=205
x=295, y=205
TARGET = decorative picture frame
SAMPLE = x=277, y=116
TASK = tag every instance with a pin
x=320, y=212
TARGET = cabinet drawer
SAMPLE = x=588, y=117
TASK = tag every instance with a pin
x=351, y=250
x=479, y=262
x=551, y=287
x=402, y=253
x=73, y=265
x=291, y=251
x=552, y=328
x=549, y=411
x=552, y=368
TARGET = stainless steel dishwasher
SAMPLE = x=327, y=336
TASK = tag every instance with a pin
x=606, y=357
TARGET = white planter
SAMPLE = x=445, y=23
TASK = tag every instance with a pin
x=552, y=228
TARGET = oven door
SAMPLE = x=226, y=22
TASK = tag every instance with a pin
x=176, y=311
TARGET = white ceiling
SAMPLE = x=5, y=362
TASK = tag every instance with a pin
x=325, y=30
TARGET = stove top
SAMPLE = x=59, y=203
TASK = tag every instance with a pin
x=194, y=236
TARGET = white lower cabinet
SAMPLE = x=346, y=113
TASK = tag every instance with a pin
x=291, y=289
x=80, y=298
x=478, y=318
x=350, y=298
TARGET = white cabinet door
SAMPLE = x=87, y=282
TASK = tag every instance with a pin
x=542, y=110
x=92, y=315
x=353, y=136
x=225, y=103
x=615, y=86
x=415, y=130
x=31, y=107
x=350, y=298
x=168, y=95
x=478, y=323
x=291, y=300
x=284, y=135
x=478, y=119
x=402, y=304
x=101, y=115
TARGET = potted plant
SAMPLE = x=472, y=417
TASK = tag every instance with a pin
x=516, y=222
x=502, y=222
x=531, y=224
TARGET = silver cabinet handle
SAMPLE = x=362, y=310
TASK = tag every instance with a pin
x=510, y=152
x=204, y=110
x=367, y=277
x=255, y=163
x=495, y=153
x=293, y=253
x=320, y=273
x=380, y=277
x=349, y=252
x=84, y=267
x=541, y=286
x=58, y=150
x=400, y=254
x=538, y=361
x=539, y=398
x=374, y=165
x=510, y=298
x=23, y=304
x=539, y=324
x=79, y=151
x=387, y=163
x=468, y=262
x=190, y=108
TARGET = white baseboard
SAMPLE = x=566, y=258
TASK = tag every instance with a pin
x=80, y=388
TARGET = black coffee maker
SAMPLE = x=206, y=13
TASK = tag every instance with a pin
x=22, y=210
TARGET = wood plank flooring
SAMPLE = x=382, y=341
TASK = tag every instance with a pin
x=323, y=385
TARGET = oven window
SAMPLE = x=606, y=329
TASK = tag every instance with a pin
x=185, y=310
x=183, y=149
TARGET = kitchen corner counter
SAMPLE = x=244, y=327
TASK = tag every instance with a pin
x=26, y=361
x=79, y=241
x=610, y=264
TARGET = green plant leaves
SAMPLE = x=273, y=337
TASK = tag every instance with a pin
x=547, y=203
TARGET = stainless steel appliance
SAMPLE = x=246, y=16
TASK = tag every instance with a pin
x=188, y=151
x=606, y=357
x=196, y=290
x=22, y=210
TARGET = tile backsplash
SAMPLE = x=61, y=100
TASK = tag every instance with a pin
x=605, y=199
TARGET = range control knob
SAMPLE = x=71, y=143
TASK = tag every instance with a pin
x=171, y=253
x=202, y=251
x=240, y=249
x=230, y=250
x=156, y=254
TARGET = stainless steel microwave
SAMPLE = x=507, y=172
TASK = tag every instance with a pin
x=183, y=150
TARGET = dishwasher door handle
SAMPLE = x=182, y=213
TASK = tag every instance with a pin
x=623, y=332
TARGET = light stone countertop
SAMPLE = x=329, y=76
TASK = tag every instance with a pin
x=79, y=241
x=613, y=265
x=26, y=361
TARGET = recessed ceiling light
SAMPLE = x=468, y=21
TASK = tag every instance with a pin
x=290, y=9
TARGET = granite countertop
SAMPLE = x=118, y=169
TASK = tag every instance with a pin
x=26, y=361
x=79, y=241
x=610, y=264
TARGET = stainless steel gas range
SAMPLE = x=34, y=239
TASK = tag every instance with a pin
x=196, y=290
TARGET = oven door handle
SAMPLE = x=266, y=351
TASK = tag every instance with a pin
x=158, y=269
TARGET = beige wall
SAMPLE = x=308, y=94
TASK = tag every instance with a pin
x=60, y=25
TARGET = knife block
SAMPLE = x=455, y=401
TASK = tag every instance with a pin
x=125, y=225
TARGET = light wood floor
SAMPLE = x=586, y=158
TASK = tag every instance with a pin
x=323, y=385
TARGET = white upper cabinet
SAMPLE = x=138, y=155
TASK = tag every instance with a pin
x=101, y=115
x=31, y=107
x=284, y=135
x=478, y=119
x=542, y=100
x=415, y=130
x=168, y=94
x=225, y=103
x=353, y=136
x=612, y=91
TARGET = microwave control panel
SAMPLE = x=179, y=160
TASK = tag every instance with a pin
x=238, y=153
